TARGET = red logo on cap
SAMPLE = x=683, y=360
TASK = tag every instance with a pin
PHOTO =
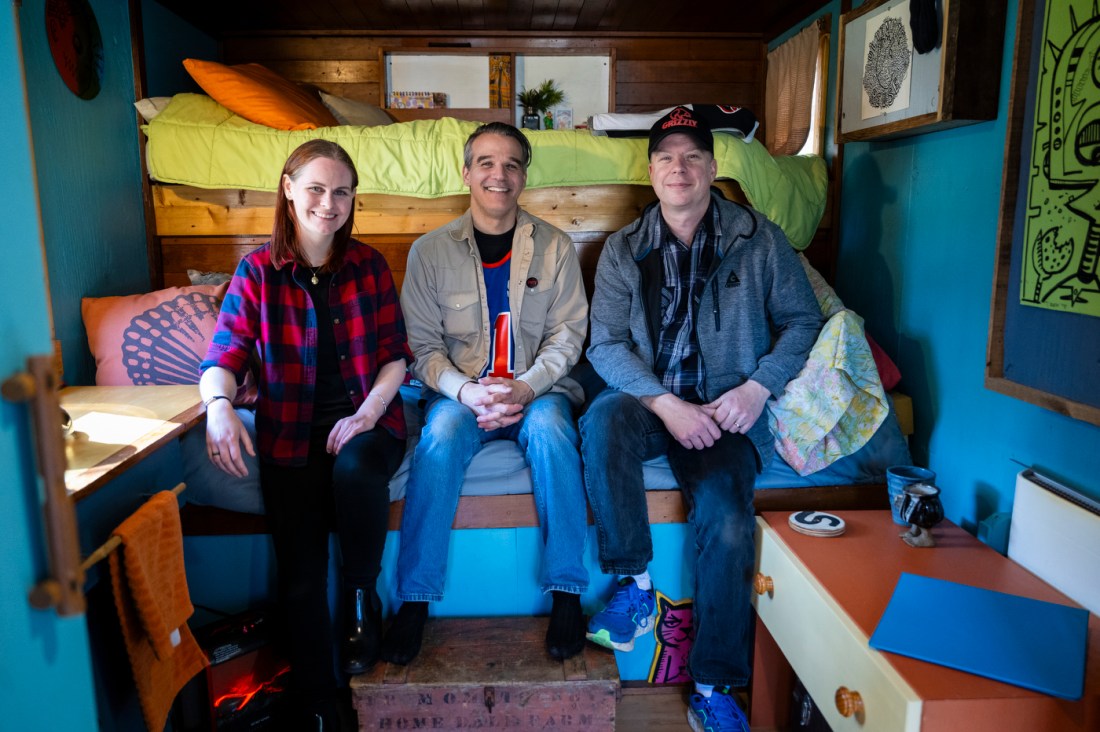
x=680, y=117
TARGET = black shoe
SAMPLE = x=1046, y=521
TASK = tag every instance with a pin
x=362, y=636
x=403, y=639
x=565, y=636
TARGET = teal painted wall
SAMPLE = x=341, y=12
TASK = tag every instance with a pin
x=917, y=243
x=491, y=572
x=44, y=658
x=89, y=178
x=92, y=224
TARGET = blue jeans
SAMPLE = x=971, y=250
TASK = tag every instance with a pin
x=617, y=435
x=548, y=437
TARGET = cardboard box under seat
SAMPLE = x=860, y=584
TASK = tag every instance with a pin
x=489, y=673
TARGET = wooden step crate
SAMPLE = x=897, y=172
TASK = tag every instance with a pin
x=490, y=673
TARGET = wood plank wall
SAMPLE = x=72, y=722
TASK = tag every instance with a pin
x=648, y=72
x=210, y=230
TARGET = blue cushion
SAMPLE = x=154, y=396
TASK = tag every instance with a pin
x=500, y=468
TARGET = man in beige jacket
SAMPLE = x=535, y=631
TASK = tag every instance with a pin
x=496, y=316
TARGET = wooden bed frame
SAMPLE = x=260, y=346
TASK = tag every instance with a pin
x=210, y=230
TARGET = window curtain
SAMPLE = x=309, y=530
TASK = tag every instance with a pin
x=789, y=92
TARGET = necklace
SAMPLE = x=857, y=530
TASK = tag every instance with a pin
x=314, y=279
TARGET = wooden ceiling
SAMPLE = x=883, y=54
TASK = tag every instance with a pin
x=221, y=18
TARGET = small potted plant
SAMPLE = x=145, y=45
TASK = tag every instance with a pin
x=537, y=101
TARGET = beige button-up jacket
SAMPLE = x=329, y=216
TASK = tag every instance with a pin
x=447, y=313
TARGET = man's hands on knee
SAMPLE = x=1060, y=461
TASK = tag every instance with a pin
x=697, y=426
x=738, y=409
x=691, y=425
x=498, y=402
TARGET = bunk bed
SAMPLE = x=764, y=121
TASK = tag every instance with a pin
x=213, y=176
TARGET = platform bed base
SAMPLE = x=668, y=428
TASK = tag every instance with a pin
x=491, y=512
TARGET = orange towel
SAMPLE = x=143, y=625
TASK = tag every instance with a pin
x=150, y=588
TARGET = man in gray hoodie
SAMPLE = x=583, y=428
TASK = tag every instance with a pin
x=701, y=313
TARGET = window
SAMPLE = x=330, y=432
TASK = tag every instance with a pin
x=794, y=109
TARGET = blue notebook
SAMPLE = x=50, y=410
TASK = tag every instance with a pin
x=1030, y=643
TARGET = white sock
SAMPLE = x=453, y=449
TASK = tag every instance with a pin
x=643, y=581
x=704, y=689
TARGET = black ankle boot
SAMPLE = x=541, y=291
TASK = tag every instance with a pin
x=362, y=629
x=406, y=633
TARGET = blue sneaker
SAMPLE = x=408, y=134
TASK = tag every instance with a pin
x=628, y=614
x=717, y=712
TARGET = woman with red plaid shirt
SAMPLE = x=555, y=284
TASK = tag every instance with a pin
x=321, y=311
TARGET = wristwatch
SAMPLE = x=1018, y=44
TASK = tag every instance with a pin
x=215, y=398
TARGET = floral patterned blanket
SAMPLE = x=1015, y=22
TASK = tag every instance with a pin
x=837, y=402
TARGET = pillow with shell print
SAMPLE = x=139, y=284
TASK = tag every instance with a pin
x=155, y=338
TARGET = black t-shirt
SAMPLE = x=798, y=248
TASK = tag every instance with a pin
x=330, y=401
x=494, y=247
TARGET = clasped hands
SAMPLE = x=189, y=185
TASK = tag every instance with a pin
x=496, y=401
x=696, y=426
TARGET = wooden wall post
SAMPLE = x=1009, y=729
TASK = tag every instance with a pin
x=64, y=587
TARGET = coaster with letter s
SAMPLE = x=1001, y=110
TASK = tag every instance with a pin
x=817, y=523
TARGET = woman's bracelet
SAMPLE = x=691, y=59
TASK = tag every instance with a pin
x=385, y=404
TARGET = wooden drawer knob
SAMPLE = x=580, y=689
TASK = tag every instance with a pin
x=763, y=584
x=848, y=702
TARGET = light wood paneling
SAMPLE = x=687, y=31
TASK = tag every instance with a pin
x=186, y=211
x=210, y=230
x=344, y=71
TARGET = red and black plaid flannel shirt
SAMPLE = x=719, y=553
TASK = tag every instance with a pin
x=269, y=310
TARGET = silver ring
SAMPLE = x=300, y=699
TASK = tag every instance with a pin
x=215, y=454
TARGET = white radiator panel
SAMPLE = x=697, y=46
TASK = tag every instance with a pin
x=1055, y=533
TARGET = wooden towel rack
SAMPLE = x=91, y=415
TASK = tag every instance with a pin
x=113, y=543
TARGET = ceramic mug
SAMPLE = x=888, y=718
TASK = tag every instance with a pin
x=919, y=504
x=900, y=476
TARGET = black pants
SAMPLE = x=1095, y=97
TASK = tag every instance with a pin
x=351, y=492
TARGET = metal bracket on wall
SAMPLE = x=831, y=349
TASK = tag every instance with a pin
x=63, y=588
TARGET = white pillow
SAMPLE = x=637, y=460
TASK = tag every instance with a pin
x=352, y=112
x=151, y=107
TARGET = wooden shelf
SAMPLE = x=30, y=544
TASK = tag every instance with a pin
x=504, y=114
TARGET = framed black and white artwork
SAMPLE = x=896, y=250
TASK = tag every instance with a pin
x=902, y=72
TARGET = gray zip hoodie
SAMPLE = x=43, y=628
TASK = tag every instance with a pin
x=757, y=318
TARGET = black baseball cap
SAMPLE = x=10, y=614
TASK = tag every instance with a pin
x=681, y=120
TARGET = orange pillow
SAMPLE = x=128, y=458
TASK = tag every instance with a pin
x=157, y=338
x=260, y=95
